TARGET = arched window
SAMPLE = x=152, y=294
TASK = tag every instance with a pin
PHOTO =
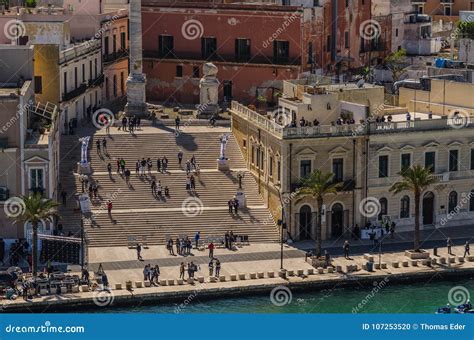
x=405, y=207
x=471, y=201
x=383, y=208
x=453, y=201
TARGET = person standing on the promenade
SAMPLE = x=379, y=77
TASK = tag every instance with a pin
x=226, y=240
x=196, y=239
x=449, y=244
x=466, y=249
x=346, y=249
x=211, y=250
x=105, y=281
x=139, y=252
x=170, y=246
x=211, y=267
x=231, y=239
x=181, y=271
x=218, y=267
x=178, y=249
x=146, y=273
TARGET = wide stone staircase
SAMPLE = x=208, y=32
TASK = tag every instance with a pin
x=138, y=214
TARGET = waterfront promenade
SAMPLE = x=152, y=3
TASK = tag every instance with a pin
x=249, y=263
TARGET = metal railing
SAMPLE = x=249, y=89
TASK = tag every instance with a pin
x=218, y=57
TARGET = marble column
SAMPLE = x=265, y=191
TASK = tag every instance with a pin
x=136, y=102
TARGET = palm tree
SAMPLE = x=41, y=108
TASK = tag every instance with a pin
x=317, y=185
x=416, y=179
x=35, y=210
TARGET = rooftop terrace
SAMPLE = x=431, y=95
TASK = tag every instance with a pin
x=398, y=124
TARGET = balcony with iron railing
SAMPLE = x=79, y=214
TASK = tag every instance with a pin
x=114, y=56
x=97, y=81
x=226, y=58
x=74, y=93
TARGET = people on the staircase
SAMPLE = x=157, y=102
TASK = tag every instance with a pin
x=109, y=169
x=124, y=124
x=177, y=121
x=127, y=176
x=122, y=165
x=149, y=165
x=97, y=143
x=64, y=196
x=153, y=187
x=104, y=145
x=137, y=167
x=192, y=182
x=109, y=207
x=188, y=167
x=158, y=188
x=164, y=162
x=236, y=205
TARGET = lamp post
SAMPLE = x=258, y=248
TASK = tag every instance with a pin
x=283, y=196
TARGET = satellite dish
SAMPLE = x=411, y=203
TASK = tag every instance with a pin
x=360, y=83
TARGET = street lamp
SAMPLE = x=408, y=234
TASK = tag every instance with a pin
x=282, y=222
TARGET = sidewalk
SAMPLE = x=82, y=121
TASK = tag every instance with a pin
x=429, y=238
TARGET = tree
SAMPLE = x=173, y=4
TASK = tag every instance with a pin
x=394, y=62
x=415, y=179
x=317, y=185
x=36, y=210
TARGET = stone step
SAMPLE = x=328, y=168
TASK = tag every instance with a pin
x=257, y=223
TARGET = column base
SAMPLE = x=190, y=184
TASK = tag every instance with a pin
x=223, y=164
x=138, y=110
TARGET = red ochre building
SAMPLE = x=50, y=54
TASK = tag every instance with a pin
x=254, y=46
